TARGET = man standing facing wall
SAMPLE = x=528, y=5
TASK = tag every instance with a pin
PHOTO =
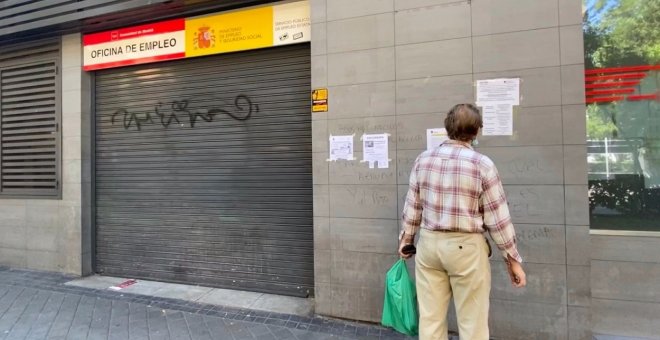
x=455, y=195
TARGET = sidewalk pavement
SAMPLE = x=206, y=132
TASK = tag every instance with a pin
x=38, y=305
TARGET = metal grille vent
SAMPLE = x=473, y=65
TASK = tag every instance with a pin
x=29, y=129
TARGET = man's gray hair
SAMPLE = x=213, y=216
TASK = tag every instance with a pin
x=463, y=122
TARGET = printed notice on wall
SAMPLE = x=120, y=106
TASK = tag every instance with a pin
x=375, y=150
x=497, y=98
x=498, y=119
x=341, y=147
x=435, y=137
x=503, y=90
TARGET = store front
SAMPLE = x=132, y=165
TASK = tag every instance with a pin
x=178, y=141
x=203, y=165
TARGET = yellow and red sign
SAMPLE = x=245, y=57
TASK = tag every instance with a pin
x=135, y=45
x=320, y=100
x=239, y=30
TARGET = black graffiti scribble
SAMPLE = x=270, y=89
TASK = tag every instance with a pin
x=129, y=118
x=166, y=123
x=242, y=109
x=243, y=106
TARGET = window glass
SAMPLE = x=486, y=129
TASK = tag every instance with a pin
x=622, y=78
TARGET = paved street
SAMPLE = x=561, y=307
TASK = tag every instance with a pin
x=36, y=305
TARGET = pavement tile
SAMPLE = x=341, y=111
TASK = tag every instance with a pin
x=21, y=328
x=118, y=328
x=99, y=328
x=197, y=327
x=275, y=322
x=59, y=328
x=258, y=330
x=177, y=326
x=42, y=325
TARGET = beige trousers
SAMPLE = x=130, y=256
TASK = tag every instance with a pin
x=455, y=264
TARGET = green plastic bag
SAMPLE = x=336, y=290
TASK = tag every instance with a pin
x=400, y=306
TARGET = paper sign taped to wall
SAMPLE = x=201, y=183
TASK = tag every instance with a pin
x=503, y=90
x=375, y=150
x=341, y=147
x=497, y=98
x=498, y=119
x=435, y=138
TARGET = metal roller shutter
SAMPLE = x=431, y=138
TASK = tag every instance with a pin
x=29, y=120
x=204, y=171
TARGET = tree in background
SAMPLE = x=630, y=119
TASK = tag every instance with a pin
x=621, y=33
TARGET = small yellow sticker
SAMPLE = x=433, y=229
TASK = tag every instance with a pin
x=320, y=100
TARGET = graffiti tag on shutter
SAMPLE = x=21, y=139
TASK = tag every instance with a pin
x=177, y=111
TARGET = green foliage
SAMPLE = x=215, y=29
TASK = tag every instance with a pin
x=621, y=33
x=600, y=122
x=627, y=33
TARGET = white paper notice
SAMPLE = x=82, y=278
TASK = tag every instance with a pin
x=435, y=137
x=498, y=119
x=341, y=147
x=497, y=98
x=503, y=90
x=375, y=150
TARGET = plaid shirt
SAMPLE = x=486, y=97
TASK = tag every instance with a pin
x=454, y=188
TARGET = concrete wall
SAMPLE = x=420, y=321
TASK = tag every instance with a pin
x=77, y=149
x=625, y=284
x=54, y=234
x=397, y=66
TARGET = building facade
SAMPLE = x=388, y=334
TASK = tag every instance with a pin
x=206, y=164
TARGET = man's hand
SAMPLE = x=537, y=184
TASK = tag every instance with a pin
x=516, y=273
x=405, y=240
